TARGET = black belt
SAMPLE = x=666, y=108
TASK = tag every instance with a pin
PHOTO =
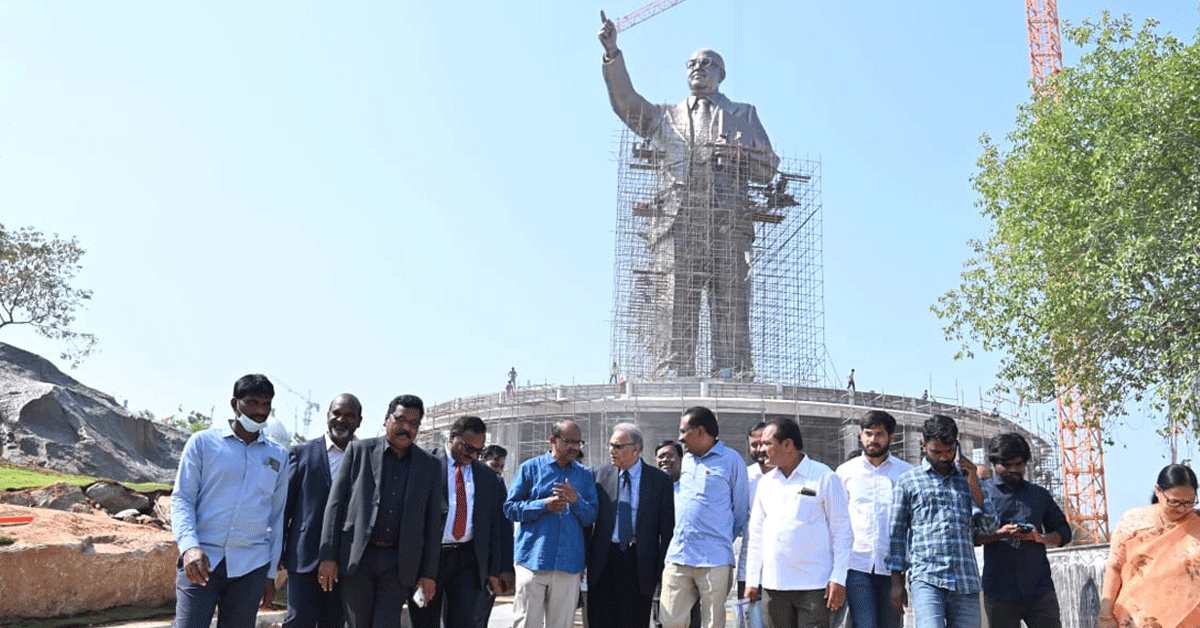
x=382, y=544
x=623, y=548
x=450, y=547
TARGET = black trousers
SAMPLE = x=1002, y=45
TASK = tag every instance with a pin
x=458, y=589
x=615, y=599
x=373, y=597
x=309, y=606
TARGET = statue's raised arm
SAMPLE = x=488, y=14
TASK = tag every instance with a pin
x=637, y=112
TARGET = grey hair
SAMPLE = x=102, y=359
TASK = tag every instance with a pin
x=635, y=433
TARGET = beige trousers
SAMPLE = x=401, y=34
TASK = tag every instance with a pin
x=545, y=598
x=683, y=585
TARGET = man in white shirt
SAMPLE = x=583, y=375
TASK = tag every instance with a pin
x=800, y=535
x=868, y=480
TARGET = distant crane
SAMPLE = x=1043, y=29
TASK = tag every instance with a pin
x=637, y=16
x=1080, y=438
x=310, y=407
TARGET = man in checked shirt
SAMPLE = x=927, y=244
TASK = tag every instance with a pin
x=936, y=508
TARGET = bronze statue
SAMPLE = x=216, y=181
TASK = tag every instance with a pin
x=701, y=224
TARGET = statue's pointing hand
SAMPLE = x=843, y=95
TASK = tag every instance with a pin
x=608, y=37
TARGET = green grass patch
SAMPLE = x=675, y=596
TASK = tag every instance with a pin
x=110, y=616
x=6, y=540
x=14, y=476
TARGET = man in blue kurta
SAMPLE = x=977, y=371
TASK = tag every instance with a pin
x=227, y=514
x=553, y=498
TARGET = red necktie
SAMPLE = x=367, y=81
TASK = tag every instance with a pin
x=460, y=504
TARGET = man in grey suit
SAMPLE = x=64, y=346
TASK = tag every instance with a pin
x=700, y=230
x=477, y=537
x=383, y=523
x=633, y=529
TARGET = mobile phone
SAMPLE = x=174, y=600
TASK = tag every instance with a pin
x=1025, y=528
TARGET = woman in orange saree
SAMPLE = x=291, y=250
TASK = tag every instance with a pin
x=1152, y=579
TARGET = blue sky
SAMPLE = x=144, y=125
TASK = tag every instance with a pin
x=387, y=197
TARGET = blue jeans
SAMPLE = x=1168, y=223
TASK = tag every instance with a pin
x=868, y=597
x=935, y=607
x=235, y=599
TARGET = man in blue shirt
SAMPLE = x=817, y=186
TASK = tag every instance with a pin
x=1016, y=573
x=554, y=499
x=227, y=514
x=712, y=507
x=935, y=508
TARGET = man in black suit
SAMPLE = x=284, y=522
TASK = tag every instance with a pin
x=475, y=535
x=633, y=529
x=313, y=465
x=383, y=522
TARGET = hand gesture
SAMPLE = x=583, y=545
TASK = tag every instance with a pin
x=195, y=566
x=566, y=491
x=835, y=596
x=608, y=37
x=428, y=586
x=327, y=574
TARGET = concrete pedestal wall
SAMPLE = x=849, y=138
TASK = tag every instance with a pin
x=521, y=421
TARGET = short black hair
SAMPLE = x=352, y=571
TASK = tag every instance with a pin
x=673, y=444
x=253, y=384
x=787, y=429
x=406, y=401
x=878, y=418
x=941, y=428
x=699, y=416
x=468, y=423
x=754, y=428
x=492, y=452
x=1007, y=446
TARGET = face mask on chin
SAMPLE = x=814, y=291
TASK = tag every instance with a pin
x=250, y=425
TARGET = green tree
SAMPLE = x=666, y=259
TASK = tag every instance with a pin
x=1090, y=273
x=193, y=421
x=36, y=276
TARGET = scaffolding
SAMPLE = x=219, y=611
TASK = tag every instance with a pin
x=717, y=270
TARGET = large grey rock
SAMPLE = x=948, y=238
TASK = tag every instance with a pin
x=57, y=496
x=114, y=498
x=49, y=419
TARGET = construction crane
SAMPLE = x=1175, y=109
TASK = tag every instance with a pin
x=1080, y=438
x=310, y=407
x=639, y=15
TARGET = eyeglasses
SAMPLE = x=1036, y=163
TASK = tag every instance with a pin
x=702, y=62
x=1179, y=503
x=619, y=446
x=570, y=442
x=403, y=421
x=471, y=451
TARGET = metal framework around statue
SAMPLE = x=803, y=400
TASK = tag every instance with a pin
x=782, y=269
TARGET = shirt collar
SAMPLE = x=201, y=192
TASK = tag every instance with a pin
x=329, y=444
x=226, y=428
x=926, y=466
x=635, y=472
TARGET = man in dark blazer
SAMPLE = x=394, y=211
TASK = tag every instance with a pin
x=383, y=523
x=625, y=558
x=476, y=537
x=312, y=466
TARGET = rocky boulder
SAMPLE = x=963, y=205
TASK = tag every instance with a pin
x=49, y=419
x=58, y=496
x=64, y=563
